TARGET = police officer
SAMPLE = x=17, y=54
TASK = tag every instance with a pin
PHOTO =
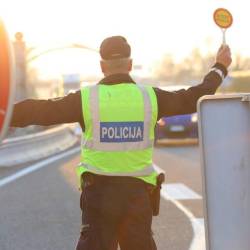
x=118, y=118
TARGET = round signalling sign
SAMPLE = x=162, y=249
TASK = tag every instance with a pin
x=223, y=18
x=6, y=80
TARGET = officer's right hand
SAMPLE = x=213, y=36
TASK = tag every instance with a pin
x=224, y=56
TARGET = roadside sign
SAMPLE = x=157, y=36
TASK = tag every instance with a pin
x=224, y=19
x=6, y=80
x=224, y=129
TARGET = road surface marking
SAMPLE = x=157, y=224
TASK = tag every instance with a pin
x=37, y=166
x=179, y=191
x=198, y=241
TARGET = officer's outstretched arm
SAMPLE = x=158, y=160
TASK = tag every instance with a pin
x=47, y=112
x=184, y=101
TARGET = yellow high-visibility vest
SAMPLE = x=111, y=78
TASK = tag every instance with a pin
x=119, y=130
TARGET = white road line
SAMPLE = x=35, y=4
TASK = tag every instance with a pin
x=179, y=191
x=198, y=241
x=37, y=166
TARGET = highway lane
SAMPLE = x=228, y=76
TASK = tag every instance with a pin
x=184, y=188
x=182, y=165
x=41, y=210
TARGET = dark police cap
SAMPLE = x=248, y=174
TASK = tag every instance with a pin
x=115, y=47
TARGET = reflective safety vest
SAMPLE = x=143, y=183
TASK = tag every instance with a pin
x=119, y=130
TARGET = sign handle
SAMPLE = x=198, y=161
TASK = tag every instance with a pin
x=223, y=36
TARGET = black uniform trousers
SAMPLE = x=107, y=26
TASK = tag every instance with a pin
x=115, y=210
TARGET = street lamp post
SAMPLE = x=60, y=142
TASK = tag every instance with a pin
x=23, y=58
x=20, y=60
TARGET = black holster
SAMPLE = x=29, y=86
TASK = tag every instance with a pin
x=155, y=195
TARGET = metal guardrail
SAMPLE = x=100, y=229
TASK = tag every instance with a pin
x=33, y=147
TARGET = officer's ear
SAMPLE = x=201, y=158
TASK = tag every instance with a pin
x=130, y=65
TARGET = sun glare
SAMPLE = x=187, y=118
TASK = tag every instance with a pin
x=153, y=28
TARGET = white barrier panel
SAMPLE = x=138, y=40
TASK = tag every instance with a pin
x=224, y=129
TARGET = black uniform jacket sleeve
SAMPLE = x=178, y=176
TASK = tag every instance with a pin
x=68, y=109
x=185, y=101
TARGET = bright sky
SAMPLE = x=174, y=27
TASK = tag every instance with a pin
x=152, y=27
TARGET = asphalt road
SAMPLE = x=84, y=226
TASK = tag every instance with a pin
x=40, y=211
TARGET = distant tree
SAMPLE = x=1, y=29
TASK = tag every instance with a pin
x=191, y=68
x=165, y=69
x=240, y=63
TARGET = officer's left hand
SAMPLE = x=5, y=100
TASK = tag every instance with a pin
x=224, y=56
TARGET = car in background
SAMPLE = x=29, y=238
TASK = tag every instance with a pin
x=179, y=126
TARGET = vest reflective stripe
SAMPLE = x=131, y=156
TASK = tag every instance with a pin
x=140, y=173
x=95, y=143
x=125, y=146
x=147, y=115
x=94, y=109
